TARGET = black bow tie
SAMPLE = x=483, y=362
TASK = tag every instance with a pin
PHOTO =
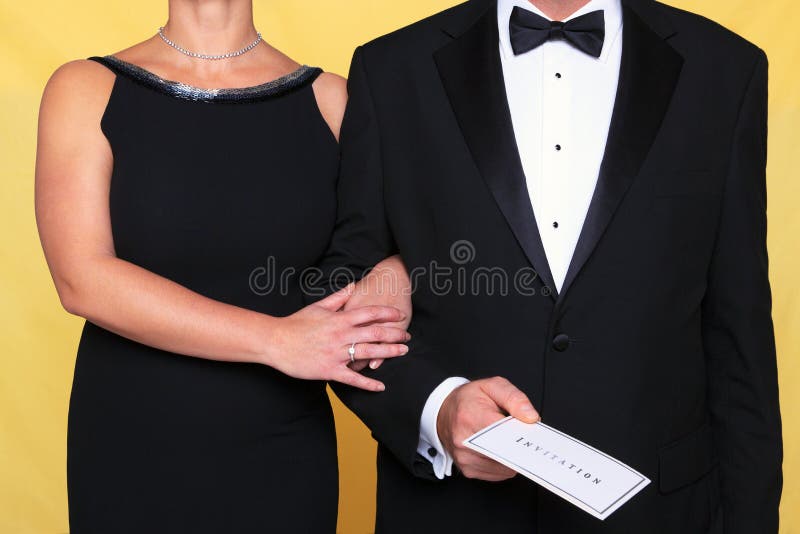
x=529, y=31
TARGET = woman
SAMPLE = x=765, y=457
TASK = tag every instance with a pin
x=198, y=402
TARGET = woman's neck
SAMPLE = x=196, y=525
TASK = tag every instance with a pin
x=559, y=9
x=211, y=26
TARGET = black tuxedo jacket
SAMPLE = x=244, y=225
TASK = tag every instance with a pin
x=659, y=348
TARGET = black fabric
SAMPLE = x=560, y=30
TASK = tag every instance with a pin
x=670, y=359
x=529, y=30
x=205, y=194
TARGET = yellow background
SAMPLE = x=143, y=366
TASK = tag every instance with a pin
x=38, y=340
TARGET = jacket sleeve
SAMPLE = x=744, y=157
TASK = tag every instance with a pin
x=362, y=238
x=738, y=332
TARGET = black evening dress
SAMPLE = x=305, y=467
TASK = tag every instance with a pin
x=230, y=193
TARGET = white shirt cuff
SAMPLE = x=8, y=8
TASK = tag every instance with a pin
x=430, y=447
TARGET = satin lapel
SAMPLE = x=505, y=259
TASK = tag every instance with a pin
x=649, y=72
x=472, y=75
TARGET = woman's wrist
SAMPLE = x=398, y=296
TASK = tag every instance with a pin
x=265, y=333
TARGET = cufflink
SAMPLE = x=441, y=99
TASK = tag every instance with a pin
x=432, y=452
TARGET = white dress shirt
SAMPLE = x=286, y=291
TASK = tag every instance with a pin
x=561, y=102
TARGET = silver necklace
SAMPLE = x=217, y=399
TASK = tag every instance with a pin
x=208, y=56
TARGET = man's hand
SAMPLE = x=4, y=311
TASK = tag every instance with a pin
x=474, y=406
x=387, y=284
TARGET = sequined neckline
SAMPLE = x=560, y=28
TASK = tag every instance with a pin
x=279, y=86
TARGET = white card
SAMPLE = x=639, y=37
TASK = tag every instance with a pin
x=576, y=472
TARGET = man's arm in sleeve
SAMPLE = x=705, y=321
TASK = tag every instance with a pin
x=361, y=239
x=738, y=332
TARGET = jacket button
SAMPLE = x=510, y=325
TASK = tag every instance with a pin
x=561, y=342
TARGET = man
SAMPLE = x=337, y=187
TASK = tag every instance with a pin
x=621, y=156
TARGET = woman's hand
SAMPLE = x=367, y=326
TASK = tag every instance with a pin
x=313, y=343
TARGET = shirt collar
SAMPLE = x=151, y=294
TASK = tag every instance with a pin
x=612, y=11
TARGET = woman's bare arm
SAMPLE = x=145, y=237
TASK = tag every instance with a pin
x=73, y=170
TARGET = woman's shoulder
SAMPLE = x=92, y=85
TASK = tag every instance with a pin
x=83, y=75
x=83, y=84
x=332, y=86
x=78, y=88
x=331, y=93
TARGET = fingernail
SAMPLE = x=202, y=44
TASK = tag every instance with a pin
x=403, y=350
x=381, y=387
x=408, y=337
x=373, y=364
x=530, y=411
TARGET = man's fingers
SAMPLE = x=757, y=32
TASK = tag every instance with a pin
x=475, y=465
x=510, y=399
x=469, y=458
x=336, y=301
x=379, y=351
x=493, y=469
x=360, y=365
x=486, y=469
x=374, y=314
x=378, y=334
x=357, y=380
x=488, y=476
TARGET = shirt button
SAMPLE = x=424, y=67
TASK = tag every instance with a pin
x=432, y=452
x=558, y=147
x=555, y=224
x=558, y=75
